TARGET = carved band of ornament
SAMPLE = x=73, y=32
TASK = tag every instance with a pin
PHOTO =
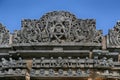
x=60, y=72
x=58, y=27
x=14, y=72
x=60, y=62
x=69, y=62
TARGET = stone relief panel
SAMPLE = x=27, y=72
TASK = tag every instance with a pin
x=29, y=32
x=4, y=35
x=85, y=31
x=60, y=27
x=113, y=37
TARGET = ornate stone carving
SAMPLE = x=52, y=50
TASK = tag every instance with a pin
x=28, y=33
x=11, y=72
x=87, y=71
x=78, y=63
x=103, y=61
x=42, y=61
x=20, y=62
x=56, y=34
x=4, y=63
x=32, y=72
x=85, y=31
x=52, y=62
x=59, y=61
x=4, y=35
x=59, y=27
x=34, y=62
x=79, y=72
x=95, y=61
x=18, y=71
x=110, y=62
x=113, y=38
x=70, y=72
x=60, y=71
x=86, y=62
x=51, y=72
x=42, y=71
x=12, y=62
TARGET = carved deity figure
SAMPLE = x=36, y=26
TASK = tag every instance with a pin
x=52, y=62
x=42, y=60
x=78, y=63
x=70, y=62
x=110, y=62
x=104, y=61
x=12, y=62
x=78, y=34
x=60, y=62
x=4, y=63
x=86, y=62
x=20, y=61
x=95, y=61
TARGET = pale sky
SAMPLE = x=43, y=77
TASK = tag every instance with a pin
x=106, y=12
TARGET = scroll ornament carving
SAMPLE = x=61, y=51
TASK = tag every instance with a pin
x=58, y=26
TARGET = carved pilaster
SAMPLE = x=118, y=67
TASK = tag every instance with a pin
x=104, y=43
x=27, y=75
x=11, y=39
x=90, y=55
x=119, y=58
x=29, y=67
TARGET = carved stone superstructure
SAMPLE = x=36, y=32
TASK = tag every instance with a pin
x=59, y=46
x=58, y=27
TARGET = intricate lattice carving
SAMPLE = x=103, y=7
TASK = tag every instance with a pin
x=58, y=26
x=85, y=31
x=29, y=32
x=113, y=38
x=4, y=35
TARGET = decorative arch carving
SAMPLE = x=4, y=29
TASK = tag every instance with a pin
x=58, y=27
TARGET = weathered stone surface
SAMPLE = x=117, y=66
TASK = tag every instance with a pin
x=58, y=27
x=59, y=45
x=4, y=35
x=113, y=38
